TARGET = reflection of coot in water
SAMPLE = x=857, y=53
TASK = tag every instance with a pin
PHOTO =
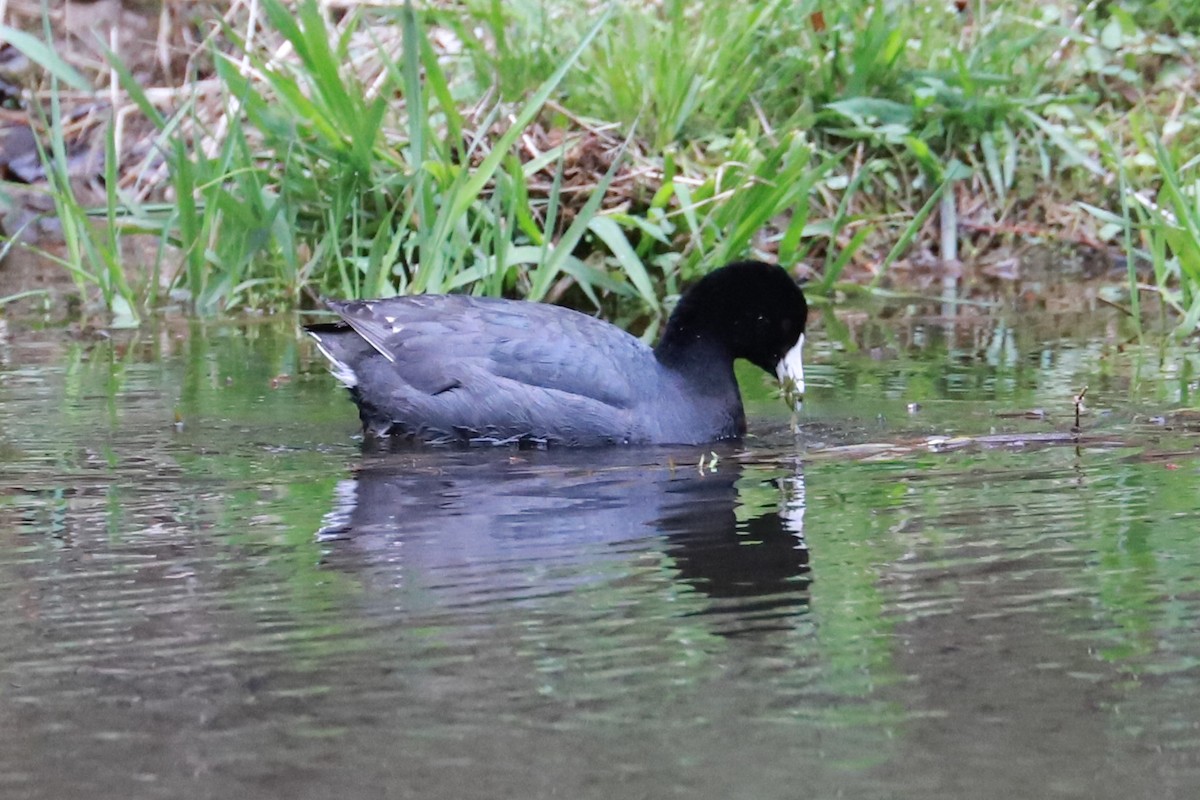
x=467, y=528
x=760, y=563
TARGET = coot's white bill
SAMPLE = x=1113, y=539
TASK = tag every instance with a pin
x=791, y=373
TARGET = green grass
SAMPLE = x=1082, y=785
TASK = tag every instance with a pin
x=384, y=199
x=391, y=150
x=1157, y=225
x=1168, y=224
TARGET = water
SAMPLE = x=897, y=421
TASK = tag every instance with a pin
x=207, y=589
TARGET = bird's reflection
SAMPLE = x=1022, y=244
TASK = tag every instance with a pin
x=482, y=528
x=729, y=550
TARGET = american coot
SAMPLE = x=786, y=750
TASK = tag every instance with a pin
x=449, y=368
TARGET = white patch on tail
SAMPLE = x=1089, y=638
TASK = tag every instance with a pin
x=340, y=369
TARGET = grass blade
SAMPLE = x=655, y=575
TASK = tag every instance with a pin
x=41, y=54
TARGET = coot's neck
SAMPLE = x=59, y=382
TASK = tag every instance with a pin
x=705, y=363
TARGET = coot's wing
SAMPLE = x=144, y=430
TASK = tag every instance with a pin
x=437, y=342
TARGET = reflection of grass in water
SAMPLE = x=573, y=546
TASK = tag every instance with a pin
x=275, y=493
x=1096, y=549
x=758, y=492
x=849, y=548
x=249, y=504
x=839, y=654
x=1147, y=562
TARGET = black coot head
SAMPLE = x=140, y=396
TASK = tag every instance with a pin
x=754, y=310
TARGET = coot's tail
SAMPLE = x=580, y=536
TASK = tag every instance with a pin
x=344, y=348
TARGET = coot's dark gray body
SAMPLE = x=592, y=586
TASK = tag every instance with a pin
x=444, y=368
